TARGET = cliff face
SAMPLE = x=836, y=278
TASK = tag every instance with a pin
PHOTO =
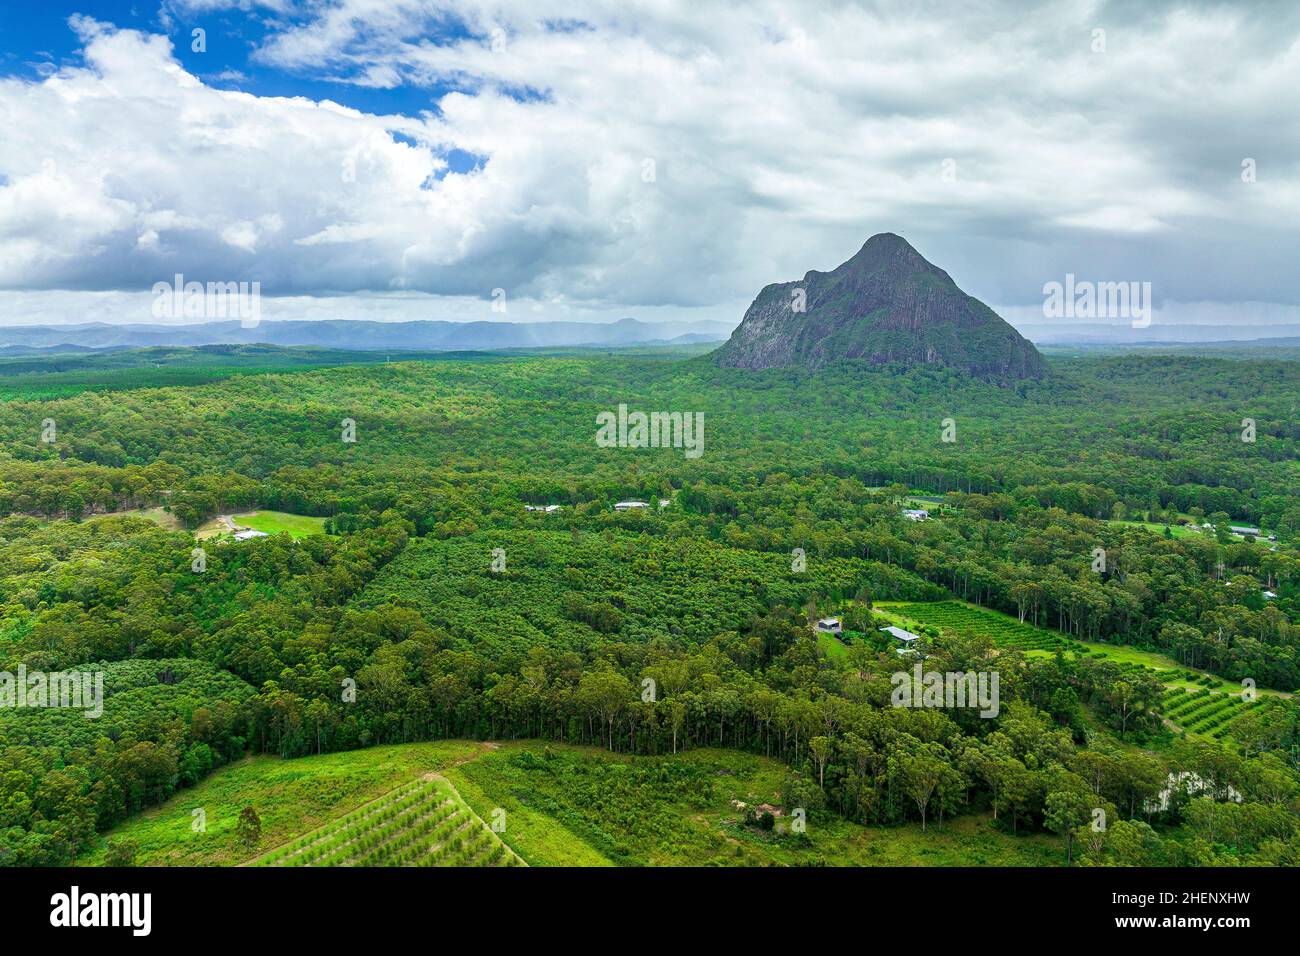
x=887, y=304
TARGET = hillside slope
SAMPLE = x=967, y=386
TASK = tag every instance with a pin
x=887, y=304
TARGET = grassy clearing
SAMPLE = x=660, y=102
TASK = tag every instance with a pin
x=678, y=811
x=290, y=796
x=832, y=645
x=1195, y=701
x=1005, y=630
x=1175, y=530
x=275, y=522
x=268, y=522
x=212, y=528
x=563, y=806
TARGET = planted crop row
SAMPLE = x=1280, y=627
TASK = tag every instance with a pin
x=1201, y=711
x=1002, y=631
x=325, y=841
x=420, y=824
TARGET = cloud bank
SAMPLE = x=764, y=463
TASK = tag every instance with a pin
x=669, y=156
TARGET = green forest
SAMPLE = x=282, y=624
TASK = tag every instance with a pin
x=1119, y=541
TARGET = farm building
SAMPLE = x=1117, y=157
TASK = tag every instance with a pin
x=907, y=637
x=249, y=533
x=830, y=625
x=629, y=505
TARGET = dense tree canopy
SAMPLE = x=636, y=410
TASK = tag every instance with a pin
x=436, y=606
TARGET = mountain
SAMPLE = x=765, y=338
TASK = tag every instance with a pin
x=362, y=335
x=887, y=304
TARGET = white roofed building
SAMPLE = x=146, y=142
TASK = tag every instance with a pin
x=898, y=633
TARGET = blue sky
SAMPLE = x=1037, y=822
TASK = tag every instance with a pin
x=653, y=158
x=35, y=36
x=35, y=39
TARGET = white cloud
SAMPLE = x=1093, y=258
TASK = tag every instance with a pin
x=781, y=135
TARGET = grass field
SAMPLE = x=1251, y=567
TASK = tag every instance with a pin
x=1195, y=701
x=832, y=645
x=561, y=806
x=1005, y=630
x=275, y=522
x=585, y=806
x=291, y=797
x=268, y=522
x=1175, y=530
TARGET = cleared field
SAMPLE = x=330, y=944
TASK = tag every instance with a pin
x=268, y=522
x=1175, y=530
x=967, y=619
x=212, y=528
x=832, y=645
x=1194, y=701
x=1006, y=631
x=291, y=797
x=275, y=522
x=564, y=806
x=424, y=823
x=585, y=806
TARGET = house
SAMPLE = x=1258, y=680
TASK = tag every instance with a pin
x=629, y=505
x=916, y=514
x=830, y=625
x=249, y=533
x=545, y=509
x=665, y=502
x=1268, y=595
x=907, y=637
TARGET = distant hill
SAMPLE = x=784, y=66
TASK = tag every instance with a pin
x=887, y=304
x=1286, y=349
x=362, y=335
x=1157, y=334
